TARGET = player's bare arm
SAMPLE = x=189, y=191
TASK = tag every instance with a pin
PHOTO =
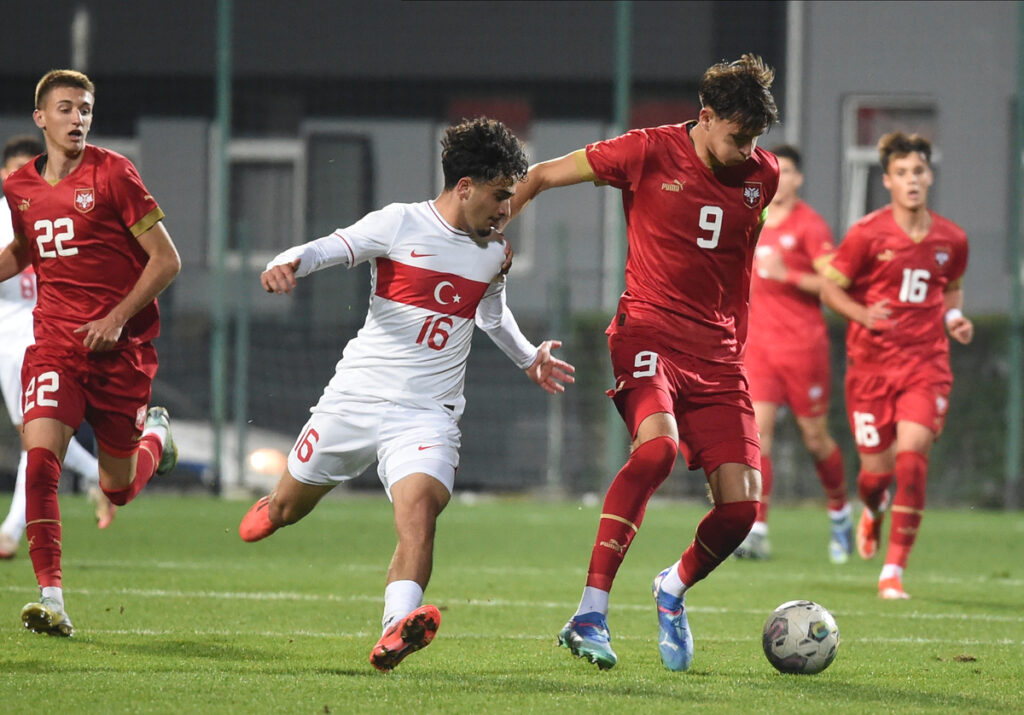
x=280, y=278
x=872, y=317
x=959, y=327
x=548, y=371
x=161, y=268
x=566, y=170
x=14, y=258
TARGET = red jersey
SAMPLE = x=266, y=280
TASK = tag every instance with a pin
x=877, y=260
x=691, y=234
x=82, y=238
x=783, y=317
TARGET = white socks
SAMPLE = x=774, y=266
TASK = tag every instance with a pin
x=594, y=599
x=760, y=528
x=78, y=459
x=672, y=584
x=840, y=514
x=891, y=571
x=14, y=524
x=400, y=599
x=54, y=593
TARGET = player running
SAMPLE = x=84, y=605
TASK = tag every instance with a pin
x=95, y=238
x=897, y=277
x=17, y=299
x=694, y=196
x=787, y=355
x=396, y=396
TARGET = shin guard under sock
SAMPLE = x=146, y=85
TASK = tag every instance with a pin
x=624, y=506
x=907, y=506
x=718, y=535
x=150, y=451
x=42, y=514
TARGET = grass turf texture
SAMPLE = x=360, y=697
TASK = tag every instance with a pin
x=174, y=613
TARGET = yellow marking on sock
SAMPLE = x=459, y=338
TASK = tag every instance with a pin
x=905, y=510
x=627, y=522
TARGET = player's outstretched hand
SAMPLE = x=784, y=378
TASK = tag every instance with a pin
x=101, y=335
x=961, y=330
x=548, y=371
x=280, y=278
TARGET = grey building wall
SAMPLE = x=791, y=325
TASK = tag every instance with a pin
x=962, y=53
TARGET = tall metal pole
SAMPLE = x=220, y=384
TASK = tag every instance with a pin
x=1015, y=403
x=219, y=239
x=615, y=447
x=791, y=123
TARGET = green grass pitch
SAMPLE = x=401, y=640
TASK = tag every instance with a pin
x=175, y=614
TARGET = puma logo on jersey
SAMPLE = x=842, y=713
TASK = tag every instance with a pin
x=886, y=255
x=23, y=205
x=675, y=185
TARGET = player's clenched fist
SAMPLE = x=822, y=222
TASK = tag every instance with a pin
x=280, y=278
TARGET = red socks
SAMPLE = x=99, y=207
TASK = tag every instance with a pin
x=767, y=479
x=42, y=515
x=150, y=451
x=907, y=505
x=718, y=535
x=624, y=506
x=833, y=479
x=871, y=488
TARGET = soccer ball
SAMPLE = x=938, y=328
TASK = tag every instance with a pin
x=800, y=637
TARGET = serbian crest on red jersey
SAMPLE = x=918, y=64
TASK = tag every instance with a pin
x=85, y=200
x=752, y=194
x=942, y=255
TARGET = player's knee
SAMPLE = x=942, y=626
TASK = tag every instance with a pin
x=737, y=517
x=656, y=455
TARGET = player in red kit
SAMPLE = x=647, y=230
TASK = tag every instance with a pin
x=897, y=277
x=101, y=255
x=787, y=356
x=694, y=196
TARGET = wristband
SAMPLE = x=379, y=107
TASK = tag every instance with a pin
x=953, y=314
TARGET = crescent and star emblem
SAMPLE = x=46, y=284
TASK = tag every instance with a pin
x=456, y=298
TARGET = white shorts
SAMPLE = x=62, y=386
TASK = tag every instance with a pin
x=12, y=355
x=337, y=445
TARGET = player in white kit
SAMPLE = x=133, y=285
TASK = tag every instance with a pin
x=436, y=269
x=17, y=298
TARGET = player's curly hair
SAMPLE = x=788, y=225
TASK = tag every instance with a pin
x=24, y=145
x=740, y=92
x=482, y=149
x=62, y=78
x=898, y=144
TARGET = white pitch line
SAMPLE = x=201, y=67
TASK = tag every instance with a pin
x=449, y=635
x=731, y=574
x=490, y=603
x=723, y=575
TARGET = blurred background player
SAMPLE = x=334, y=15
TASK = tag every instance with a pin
x=95, y=238
x=17, y=298
x=397, y=393
x=897, y=277
x=694, y=196
x=787, y=358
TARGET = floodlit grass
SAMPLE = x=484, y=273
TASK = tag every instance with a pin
x=174, y=613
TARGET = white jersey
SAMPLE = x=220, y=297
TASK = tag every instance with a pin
x=430, y=283
x=18, y=294
x=17, y=298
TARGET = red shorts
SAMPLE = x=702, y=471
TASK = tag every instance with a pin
x=875, y=402
x=800, y=379
x=109, y=390
x=710, y=401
